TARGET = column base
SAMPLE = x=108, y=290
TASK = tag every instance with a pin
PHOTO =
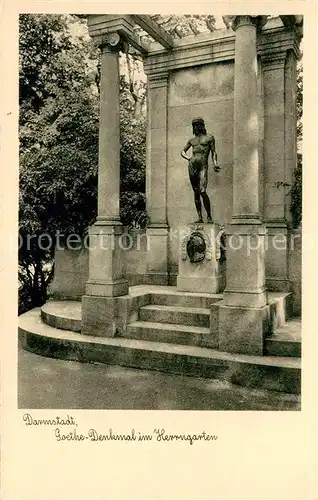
x=107, y=271
x=102, y=220
x=243, y=298
x=109, y=316
x=242, y=330
x=103, y=289
x=245, y=266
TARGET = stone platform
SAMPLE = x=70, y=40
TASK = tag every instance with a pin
x=169, y=337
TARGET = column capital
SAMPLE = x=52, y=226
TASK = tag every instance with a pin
x=158, y=79
x=110, y=42
x=238, y=21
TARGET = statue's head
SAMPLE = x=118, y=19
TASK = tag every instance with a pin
x=198, y=126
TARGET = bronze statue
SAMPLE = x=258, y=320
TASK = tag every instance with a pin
x=202, y=144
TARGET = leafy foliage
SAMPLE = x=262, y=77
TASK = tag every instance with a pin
x=58, y=145
x=132, y=160
x=59, y=115
x=299, y=102
x=296, y=189
x=296, y=194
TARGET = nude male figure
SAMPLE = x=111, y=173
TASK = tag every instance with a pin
x=202, y=144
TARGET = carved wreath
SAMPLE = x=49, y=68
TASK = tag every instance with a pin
x=205, y=253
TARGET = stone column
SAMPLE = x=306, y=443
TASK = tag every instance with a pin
x=156, y=179
x=243, y=312
x=275, y=215
x=109, y=133
x=246, y=129
x=107, y=278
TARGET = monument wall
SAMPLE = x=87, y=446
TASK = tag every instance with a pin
x=71, y=266
x=206, y=91
x=197, y=79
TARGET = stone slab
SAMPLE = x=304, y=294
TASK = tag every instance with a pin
x=184, y=299
x=198, y=284
x=273, y=373
x=193, y=316
x=168, y=332
x=286, y=341
x=63, y=314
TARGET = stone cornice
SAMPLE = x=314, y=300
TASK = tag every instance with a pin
x=278, y=40
x=157, y=80
x=273, y=60
x=217, y=48
x=101, y=25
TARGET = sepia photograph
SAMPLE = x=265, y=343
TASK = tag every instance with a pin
x=160, y=212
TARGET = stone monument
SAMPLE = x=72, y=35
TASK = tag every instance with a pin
x=199, y=269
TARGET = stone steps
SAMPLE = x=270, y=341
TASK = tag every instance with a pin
x=286, y=341
x=63, y=314
x=193, y=316
x=267, y=372
x=172, y=334
x=169, y=332
x=184, y=299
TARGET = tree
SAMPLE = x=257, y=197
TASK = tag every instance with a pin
x=132, y=160
x=58, y=145
x=299, y=101
x=59, y=116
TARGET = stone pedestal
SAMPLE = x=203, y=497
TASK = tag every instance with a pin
x=203, y=276
x=245, y=269
x=100, y=316
x=243, y=329
x=107, y=281
x=243, y=315
x=107, y=276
